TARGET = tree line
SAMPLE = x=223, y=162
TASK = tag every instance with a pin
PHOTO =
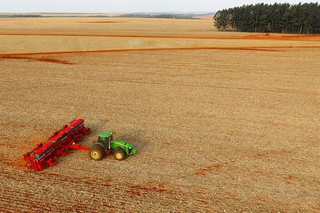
x=275, y=18
x=20, y=16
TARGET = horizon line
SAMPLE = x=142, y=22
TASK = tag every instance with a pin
x=184, y=12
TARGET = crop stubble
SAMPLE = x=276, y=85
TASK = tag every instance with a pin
x=215, y=129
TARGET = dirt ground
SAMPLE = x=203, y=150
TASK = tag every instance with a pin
x=222, y=121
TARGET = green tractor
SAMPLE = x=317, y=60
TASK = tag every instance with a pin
x=106, y=145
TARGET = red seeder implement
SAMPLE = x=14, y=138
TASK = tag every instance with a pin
x=45, y=154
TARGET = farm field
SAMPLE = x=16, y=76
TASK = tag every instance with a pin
x=222, y=121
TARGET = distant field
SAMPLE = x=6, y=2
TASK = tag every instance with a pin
x=43, y=35
x=221, y=121
x=64, y=14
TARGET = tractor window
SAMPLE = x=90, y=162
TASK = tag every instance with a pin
x=100, y=139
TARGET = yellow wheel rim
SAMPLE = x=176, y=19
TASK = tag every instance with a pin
x=95, y=155
x=118, y=155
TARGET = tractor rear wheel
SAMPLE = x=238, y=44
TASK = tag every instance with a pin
x=119, y=154
x=96, y=152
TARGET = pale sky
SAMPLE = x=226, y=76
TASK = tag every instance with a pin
x=108, y=6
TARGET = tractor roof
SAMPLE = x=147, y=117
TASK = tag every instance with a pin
x=105, y=134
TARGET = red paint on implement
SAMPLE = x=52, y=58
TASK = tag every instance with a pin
x=45, y=154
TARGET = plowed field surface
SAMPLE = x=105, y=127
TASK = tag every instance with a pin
x=222, y=122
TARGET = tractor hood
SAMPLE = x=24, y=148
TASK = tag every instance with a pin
x=124, y=145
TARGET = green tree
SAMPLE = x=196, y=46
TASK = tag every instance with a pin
x=277, y=18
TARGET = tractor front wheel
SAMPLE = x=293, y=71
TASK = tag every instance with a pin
x=96, y=152
x=119, y=154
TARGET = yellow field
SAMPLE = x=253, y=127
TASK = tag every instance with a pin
x=221, y=121
x=89, y=34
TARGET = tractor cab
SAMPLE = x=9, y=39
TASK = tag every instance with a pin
x=105, y=137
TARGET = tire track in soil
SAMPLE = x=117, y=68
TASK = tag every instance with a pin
x=29, y=201
x=28, y=198
x=208, y=169
x=48, y=60
x=285, y=91
x=254, y=48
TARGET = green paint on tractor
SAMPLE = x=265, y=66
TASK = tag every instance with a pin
x=105, y=134
x=106, y=145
